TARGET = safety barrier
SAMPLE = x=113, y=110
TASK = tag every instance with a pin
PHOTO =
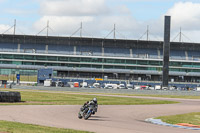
x=6, y=96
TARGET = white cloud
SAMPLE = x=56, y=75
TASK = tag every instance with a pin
x=61, y=24
x=4, y=28
x=65, y=17
x=73, y=7
x=186, y=15
x=92, y=26
x=19, y=11
x=122, y=9
x=98, y=19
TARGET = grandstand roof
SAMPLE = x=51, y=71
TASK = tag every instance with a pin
x=31, y=39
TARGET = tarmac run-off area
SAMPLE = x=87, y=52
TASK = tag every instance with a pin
x=108, y=119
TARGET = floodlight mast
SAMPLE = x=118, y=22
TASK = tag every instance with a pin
x=147, y=32
x=114, y=34
x=47, y=28
x=14, y=26
x=180, y=35
x=81, y=29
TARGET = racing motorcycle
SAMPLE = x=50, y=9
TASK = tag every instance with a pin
x=82, y=112
x=86, y=111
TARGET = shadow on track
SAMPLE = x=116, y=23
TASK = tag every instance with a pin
x=97, y=118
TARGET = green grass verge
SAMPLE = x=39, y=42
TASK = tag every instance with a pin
x=145, y=95
x=65, y=98
x=15, y=127
x=166, y=96
x=191, y=118
x=151, y=95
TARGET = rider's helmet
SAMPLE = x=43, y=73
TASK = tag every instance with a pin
x=94, y=100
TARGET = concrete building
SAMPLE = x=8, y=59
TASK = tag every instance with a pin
x=97, y=58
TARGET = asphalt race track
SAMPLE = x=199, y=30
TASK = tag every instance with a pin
x=109, y=118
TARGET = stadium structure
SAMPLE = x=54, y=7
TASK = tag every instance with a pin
x=81, y=57
x=97, y=58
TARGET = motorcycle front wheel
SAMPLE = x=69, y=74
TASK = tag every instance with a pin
x=87, y=115
x=80, y=116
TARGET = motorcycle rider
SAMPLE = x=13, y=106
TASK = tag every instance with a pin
x=84, y=106
x=92, y=103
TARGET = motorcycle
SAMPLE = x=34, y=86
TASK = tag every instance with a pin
x=81, y=112
x=86, y=111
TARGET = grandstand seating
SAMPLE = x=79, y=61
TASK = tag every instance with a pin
x=39, y=48
x=194, y=55
x=175, y=54
x=88, y=50
x=180, y=55
x=8, y=47
x=121, y=52
x=145, y=53
x=97, y=51
x=60, y=49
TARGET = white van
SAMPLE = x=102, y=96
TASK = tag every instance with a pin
x=157, y=87
x=84, y=85
x=47, y=82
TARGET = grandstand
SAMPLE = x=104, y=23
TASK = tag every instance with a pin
x=97, y=58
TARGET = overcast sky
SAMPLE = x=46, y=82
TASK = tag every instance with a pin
x=98, y=17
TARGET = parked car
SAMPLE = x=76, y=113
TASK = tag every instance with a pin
x=108, y=86
x=165, y=88
x=121, y=86
x=96, y=85
x=197, y=89
x=144, y=87
x=130, y=86
x=137, y=87
x=172, y=88
x=150, y=87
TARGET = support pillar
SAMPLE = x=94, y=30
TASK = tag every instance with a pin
x=166, y=52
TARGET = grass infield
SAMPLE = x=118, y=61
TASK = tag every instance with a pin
x=154, y=95
x=190, y=118
x=168, y=96
x=35, y=97
x=15, y=127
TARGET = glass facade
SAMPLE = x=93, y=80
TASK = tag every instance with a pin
x=96, y=62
